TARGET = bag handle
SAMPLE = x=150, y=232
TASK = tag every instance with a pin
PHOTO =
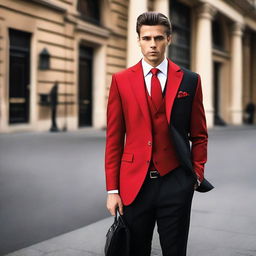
x=120, y=216
x=117, y=211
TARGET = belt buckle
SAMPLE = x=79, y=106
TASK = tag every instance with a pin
x=151, y=174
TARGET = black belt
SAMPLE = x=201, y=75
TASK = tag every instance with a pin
x=153, y=174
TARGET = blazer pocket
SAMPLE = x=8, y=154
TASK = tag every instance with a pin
x=127, y=157
x=183, y=97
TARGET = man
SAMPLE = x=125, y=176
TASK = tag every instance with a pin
x=154, y=109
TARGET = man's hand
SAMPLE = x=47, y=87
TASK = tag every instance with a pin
x=113, y=201
x=196, y=186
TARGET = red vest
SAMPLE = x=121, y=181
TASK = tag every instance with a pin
x=164, y=157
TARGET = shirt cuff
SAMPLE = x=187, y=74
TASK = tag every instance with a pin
x=115, y=191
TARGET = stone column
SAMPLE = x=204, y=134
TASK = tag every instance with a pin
x=4, y=100
x=236, y=73
x=203, y=58
x=163, y=7
x=133, y=51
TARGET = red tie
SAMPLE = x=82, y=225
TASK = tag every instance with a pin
x=156, y=90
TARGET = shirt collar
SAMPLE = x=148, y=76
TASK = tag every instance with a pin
x=147, y=67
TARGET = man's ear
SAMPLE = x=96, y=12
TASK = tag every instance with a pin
x=169, y=39
x=138, y=40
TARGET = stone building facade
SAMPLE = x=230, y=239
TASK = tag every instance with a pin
x=79, y=44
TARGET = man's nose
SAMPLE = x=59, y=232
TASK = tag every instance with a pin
x=152, y=43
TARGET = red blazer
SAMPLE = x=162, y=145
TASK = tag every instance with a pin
x=127, y=152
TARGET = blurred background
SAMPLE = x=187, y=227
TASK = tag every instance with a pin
x=80, y=44
x=56, y=62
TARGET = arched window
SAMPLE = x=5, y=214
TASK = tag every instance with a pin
x=89, y=10
x=217, y=35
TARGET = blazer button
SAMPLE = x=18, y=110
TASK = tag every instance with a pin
x=149, y=143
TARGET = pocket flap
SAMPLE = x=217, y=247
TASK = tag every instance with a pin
x=127, y=157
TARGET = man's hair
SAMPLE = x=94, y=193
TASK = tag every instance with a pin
x=152, y=19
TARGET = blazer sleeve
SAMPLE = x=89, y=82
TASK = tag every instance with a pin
x=198, y=133
x=115, y=134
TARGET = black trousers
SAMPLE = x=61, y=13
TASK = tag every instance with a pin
x=167, y=201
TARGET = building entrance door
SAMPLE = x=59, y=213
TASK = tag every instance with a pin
x=19, y=76
x=85, y=86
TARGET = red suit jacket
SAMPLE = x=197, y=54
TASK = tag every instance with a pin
x=129, y=130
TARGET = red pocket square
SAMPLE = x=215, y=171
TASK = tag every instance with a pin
x=182, y=94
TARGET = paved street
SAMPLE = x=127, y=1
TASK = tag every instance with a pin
x=53, y=183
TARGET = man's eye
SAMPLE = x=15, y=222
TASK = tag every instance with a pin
x=146, y=38
x=159, y=38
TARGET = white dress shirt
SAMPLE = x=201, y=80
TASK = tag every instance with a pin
x=162, y=74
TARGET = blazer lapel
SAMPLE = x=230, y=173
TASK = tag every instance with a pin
x=174, y=78
x=138, y=88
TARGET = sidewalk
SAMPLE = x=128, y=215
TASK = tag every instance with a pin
x=203, y=240
x=82, y=242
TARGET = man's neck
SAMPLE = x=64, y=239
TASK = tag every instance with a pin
x=154, y=64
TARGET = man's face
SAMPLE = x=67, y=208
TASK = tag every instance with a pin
x=153, y=42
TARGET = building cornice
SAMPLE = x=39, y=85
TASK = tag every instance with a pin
x=220, y=53
x=48, y=4
x=247, y=7
x=87, y=27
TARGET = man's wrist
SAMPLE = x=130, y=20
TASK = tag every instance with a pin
x=198, y=179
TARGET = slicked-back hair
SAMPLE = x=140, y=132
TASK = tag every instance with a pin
x=152, y=19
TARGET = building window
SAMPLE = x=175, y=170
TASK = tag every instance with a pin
x=179, y=50
x=89, y=10
x=217, y=36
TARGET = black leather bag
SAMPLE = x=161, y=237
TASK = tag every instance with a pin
x=118, y=238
